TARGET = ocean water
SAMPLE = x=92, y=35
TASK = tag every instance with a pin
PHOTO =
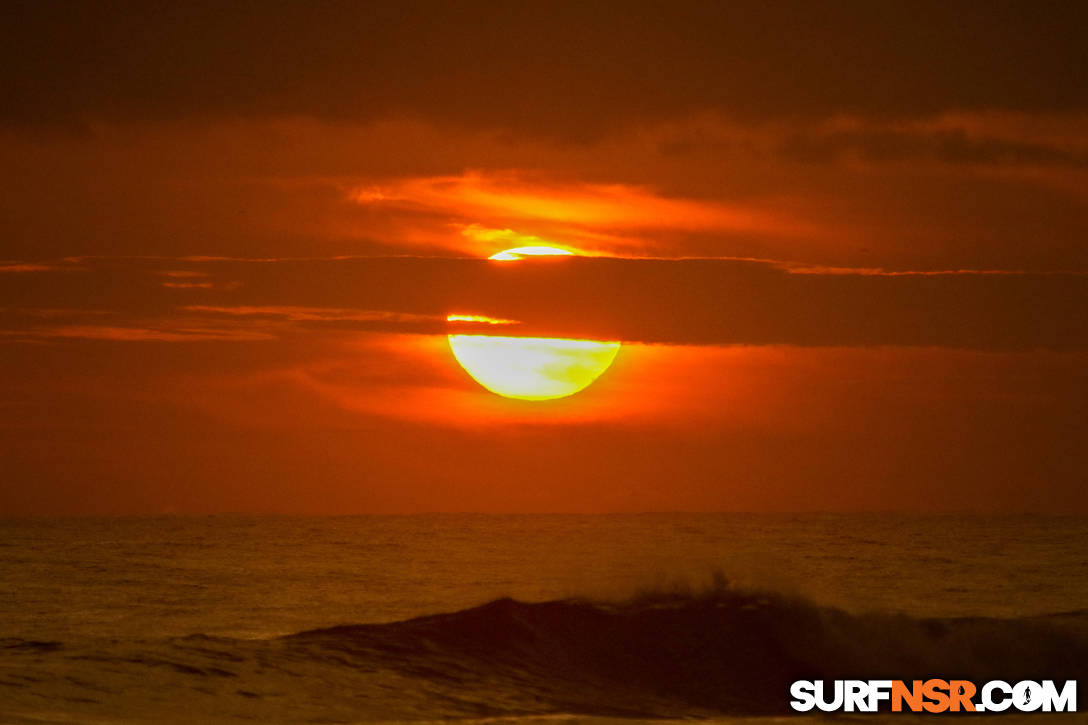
x=521, y=617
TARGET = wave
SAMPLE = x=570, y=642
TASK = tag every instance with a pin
x=681, y=654
x=675, y=654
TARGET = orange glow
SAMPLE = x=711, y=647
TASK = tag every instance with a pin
x=480, y=318
x=665, y=387
x=602, y=218
x=515, y=245
x=590, y=204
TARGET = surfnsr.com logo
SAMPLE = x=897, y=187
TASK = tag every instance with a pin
x=932, y=696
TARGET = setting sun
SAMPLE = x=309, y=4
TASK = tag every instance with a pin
x=532, y=251
x=530, y=368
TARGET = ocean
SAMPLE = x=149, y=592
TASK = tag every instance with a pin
x=269, y=619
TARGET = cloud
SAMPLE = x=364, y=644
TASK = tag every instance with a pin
x=692, y=302
x=949, y=146
x=188, y=285
x=25, y=267
x=705, y=185
x=314, y=314
x=134, y=333
x=597, y=218
x=560, y=70
x=284, y=319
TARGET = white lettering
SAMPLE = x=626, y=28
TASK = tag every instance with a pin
x=1065, y=701
x=879, y=690
x=990, y=702
x=803, y=697
x=834, y=704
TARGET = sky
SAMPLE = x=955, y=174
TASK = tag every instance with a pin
x=843, y=245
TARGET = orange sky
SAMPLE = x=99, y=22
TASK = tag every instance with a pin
x=844, y=248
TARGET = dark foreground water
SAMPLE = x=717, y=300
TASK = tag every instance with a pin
x=273, y=619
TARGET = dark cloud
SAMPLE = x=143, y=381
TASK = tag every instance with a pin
x=949, y=146
x=566, y=69
x=656, y=301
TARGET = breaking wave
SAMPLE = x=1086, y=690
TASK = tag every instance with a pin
x=722, y=652
x=725, y=651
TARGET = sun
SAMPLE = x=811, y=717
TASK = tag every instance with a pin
x=530, y=368
x=535, y=251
